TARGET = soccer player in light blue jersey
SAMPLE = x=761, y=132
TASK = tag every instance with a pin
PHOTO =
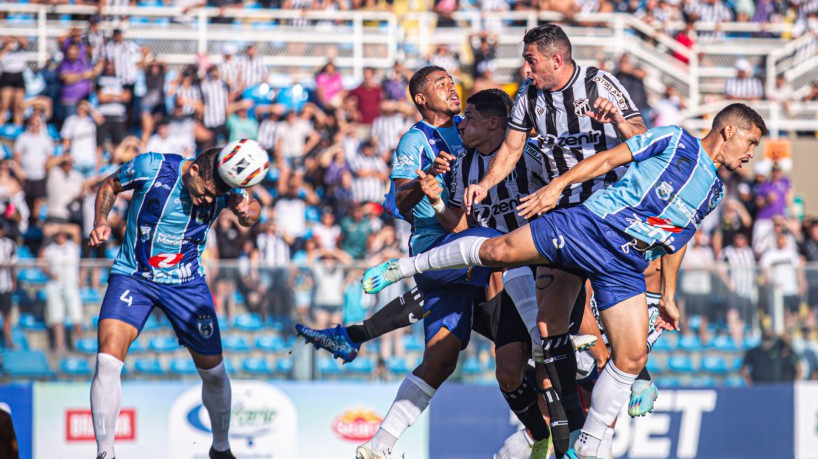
x=174, y=203
x=654, y=210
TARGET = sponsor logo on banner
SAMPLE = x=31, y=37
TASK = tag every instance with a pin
x=79, y=425
x=263, y=423
x=356, y=425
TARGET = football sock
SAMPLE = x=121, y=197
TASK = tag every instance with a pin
x=398, y=313
x=516, y=446
x=413, y=397
x=644, y=375
x=461, y=253
x=561, y=363
x=559, y=423
x=611, y=392
x=106, y=399
x=606, y=445
x=523, y=403
x=519, y=284
x=217, y=398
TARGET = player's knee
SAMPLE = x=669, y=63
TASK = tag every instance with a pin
x=508, y=378
x=631, y=362
x=494, y=251
x=114, y=345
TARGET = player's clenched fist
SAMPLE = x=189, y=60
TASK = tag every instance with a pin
x=474, y=193
x=430, y=186
x=605, y=111
x=443, y=163
x=99, y=234
x=240, y=205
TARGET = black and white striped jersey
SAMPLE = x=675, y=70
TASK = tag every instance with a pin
x=125, y=55
x=744, y=88
x=190, y=96
x=499, y=209
x=252, y=70
x=564, y=135
x=216, y=97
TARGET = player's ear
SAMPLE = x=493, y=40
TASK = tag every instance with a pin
x=194, y=169
x=494, y=123
x=557, y=60
x=420, y=99
x=728, y=131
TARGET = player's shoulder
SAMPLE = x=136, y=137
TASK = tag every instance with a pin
x=412, y=139
x=524, y=88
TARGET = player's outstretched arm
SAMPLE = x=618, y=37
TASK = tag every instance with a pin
x=106, y=197
x=546, y=198
x=500, y=166
x=246, y=208
x=452, y=219
x=668, y=312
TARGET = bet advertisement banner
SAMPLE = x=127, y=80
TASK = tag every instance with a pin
x=270, y=420
x=17, y=400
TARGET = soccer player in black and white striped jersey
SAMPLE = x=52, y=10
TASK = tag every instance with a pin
x=575, y=113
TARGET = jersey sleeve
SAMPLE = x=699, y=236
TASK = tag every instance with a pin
x=139, y=171
x=537, y=178
x=408, y=157
x=456, y=186
x=520, y=119
x=653, y=142
x=610, y=88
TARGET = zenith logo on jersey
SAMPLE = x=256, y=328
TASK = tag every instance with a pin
x=574, y=140
x=165, y=260
x=665, y=224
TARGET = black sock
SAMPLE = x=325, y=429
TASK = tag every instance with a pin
x=561, y=363
x=523, y=403
x=398, y=313
x=644, y=375
x=559, y=423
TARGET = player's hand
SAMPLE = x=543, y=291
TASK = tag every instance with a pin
x=443, y=163
x=99, y=234
x=539, y=202
x=668, y=314
x=474, y=193
x=605, y=111
x=240, y=205
x=430, y=186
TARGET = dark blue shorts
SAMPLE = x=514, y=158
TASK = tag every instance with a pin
x=449, y=295
x=188, y=306
x=576, y=238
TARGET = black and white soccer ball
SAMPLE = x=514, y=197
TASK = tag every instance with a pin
x=243, y=163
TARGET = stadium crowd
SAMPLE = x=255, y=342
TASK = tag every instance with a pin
x=105, y=99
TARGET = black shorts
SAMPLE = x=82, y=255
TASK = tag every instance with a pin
x=792, y=303
x=5, y=303
x=498, y=320
x=34, y=189
x=697, y=305
x=12, y=80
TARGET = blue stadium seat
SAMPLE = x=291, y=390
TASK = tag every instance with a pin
x=665, y=344
x=75, y=366
x=30, y=323
x=95, y=322
x=229, y=366
x=32, y=276
x=329, y=366
x=724, y=343
x=397, y=365
x=24, y=252
x=735, y=364
x=472, y=366
x=162, y=344
x=735, y=381
x=284, y=366
x=250, y=322
x=258, y=366
x=412, y=343
x=10, y=131
x=667, y=381
x=182, y=366
x=90, y=295
x=751, y=342
x=361, y=365
x=654, y=367
x=714, y=364
x=268, y=343
x=703, y=381
x=680, y=364
x=690, y=343
x=86, y=346
x=26, y=364
x=138, y=346
x=148, y=366
x=224, y=324
x=235, y=343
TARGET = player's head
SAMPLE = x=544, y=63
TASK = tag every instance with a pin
x=204, y=183
x=484, y=119
x=740, y=128
x=433, y=92
x=547, y=55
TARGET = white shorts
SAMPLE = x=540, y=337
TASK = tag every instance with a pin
x=62, y=301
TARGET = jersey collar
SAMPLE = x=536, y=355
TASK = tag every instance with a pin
x=571, y=80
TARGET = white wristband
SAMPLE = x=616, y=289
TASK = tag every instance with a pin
x=439, y=207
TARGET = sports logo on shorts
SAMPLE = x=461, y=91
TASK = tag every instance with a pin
x=581, y=106
x=205, y=326
x=664, y=191
x=559, y=242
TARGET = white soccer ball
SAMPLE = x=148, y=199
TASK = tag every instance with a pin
x=243, y=163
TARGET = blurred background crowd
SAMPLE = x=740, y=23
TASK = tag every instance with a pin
x=103, y=98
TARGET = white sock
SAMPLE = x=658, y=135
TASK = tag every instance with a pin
x=519, y=284
x=516, y=446
x=461, y=253
x=605, y=450
x=217, y=398
x=611, y=392
x=106, y=399
x=413, y=397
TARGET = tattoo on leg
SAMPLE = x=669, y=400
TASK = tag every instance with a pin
x=544, y=281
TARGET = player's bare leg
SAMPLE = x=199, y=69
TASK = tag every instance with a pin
x=115, y=337
x=216, y=398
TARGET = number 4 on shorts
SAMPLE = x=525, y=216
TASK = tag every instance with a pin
x=126, y=298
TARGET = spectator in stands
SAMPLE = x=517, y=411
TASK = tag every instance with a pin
x=8, y=275
x=734, y=219
x=484, y=48
x=95, y=38
x=274, y=254
x=784, y=274
x=239, y=123
x=295, y=136
x=63, y=288
x=396, y=84
x=806, y=346
x=182, y=131
x=809, y=251
x=812, y=95
x=12, y=83
x=127, y=57
x=696, y=285
x=229, y=69
x=711, y=13
x=367, y=98
x=185, y=89
x=388, y=128
x=329, y=87
x=355, y=230
x=270, y=116
x=745, y=86
x=632, y=78
x=152, y=104
x=79, y=138
x=782, y=92
x=773, y=198
x=667, y=111
x=32, y=149
x=370, y=174
x=160, y=142
x=291, y=205
x=773, y=361
x=449, y=61
x=740, y=279
x=686, y=37
x=217, y=98
x=114, y=98
x=222, y=5
x=251, y=67
x=327, y=233
x=64, y=190
x=76, y=75
x=13, y=207
x=328, y=272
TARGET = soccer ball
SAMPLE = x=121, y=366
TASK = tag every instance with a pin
x=243, y=163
